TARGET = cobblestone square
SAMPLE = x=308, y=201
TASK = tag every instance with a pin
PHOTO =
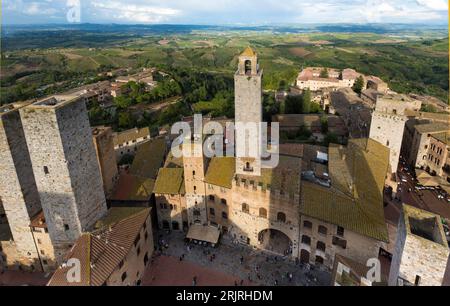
x=224, y=261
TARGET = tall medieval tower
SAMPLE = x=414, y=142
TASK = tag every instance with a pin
x=248, y=112
x=195, y=163
x=68, y=179
x=18, y=191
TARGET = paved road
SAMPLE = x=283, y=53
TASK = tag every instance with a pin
x=424, y=199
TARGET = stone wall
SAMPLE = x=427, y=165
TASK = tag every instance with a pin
x=220, y=208
x=248, y=109
x=45, y=248
x=65, y=166
x=194, y=176
x=18, y=191
x=388, y=130
x=359, y=248
x=248, y=225
x=418, y=258
x=104, y=147
x=134, y=266
x=169, y=208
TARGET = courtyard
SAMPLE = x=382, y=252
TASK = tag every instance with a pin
x=228, y=264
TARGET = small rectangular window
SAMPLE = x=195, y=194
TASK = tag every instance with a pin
x=66, y=227
x=340, y=231
x=46, y=170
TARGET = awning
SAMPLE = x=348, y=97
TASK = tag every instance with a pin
x=203, y=233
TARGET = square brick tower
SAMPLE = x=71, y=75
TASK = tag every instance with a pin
x=18, y=190
x=421, y=250
x=68, y=178
x=248, y=111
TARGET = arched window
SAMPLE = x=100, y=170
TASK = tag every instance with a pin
x=245, y=208
x=248, y=67
x=319, y=260
x=320, y=246
x=323, y=230
x=224, y=215
x=223, y=201
x=306, y=240
x=263, y=213
x=281, y=217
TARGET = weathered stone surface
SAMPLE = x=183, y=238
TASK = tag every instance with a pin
x=68, y=179
x=18, y=190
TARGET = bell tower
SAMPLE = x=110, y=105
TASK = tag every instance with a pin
x=248, y=113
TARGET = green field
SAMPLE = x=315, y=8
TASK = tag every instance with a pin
x=409, y=64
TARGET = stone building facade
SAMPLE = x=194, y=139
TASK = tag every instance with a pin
x=274, y=210
x=128, y=142
x=117, y=253
x=388, y=123
x=18, y=191
x=170, y=199
x=194, y=165
x=43, y=243
x=426, y=145
x=106, y=157
x=421, y=250
x=68, y=178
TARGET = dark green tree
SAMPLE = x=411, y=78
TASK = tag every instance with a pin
x=359, y=85
x=324, y=73
x=306, y=105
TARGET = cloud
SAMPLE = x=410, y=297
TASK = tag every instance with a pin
x=134, y=12
x=232, y=11
x=35, y=8
x=30, y=8
x=440, y=5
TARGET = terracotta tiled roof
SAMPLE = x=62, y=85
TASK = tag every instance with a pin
x=101, y=252
x=130, y=135
x=285, y=177
x=149, y=158
x=435, y=127
x=133, y=188
x=355, y=200
x=221, y=171
x=169, y=181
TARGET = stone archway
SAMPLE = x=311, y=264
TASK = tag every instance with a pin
x=275, y=241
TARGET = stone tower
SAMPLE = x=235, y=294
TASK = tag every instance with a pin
x=421, y=250
x=248, y=111
x=68, y=179
x=388, y=123
x=18, y=190
x=106, y=157
x=194, y=163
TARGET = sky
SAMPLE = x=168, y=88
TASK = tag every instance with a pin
x=224, y=12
